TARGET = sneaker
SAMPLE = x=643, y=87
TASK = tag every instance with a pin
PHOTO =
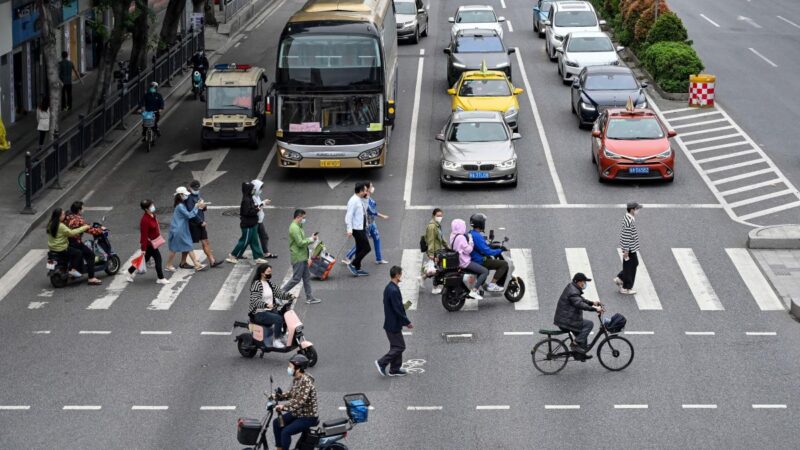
x=362, y=273
x=346, y=261
x=75, y=274
x=398, y=373
x=129, y=278
x=618, y=281
x=383, y=261
x=626, y=291
x=162, y=281
x=352, y=269
x=313, y=301
x=232, y=259
x=260, y=261
x=474, y=294
x=436, y=290
x=494, y=288
x=381, y=369
x=582, y=357
x=276, y=343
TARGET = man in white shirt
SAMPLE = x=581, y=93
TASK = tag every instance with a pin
x=356, y=222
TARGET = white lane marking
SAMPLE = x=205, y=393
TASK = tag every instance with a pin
x=772, y=210
x=36, y=305
x=523, y=268
x=98, y=208
x=699, y=333
x=215, y=333
x=699, y=406
x=548, y=154
x=156, y=333
x=237, y=44
x=711, y=139
x=761, y=333
x=696, y=279
x=562, y=406
x=690, y=116
x=114, y=288
x=287, y=208
x=726, y=156
x=267, y=162
x=695, y=124
x=82, y=407
x=710, y=130
x=149, y=408
x=342, y=408
x=749, y=21
x=788, y=21
x=741, y=176
x=761, y=198
x=751, y=187
x=518, y=333
x=42, y=332
x=94, y=332
x=578, y=261
x=492, y=407
x=15, y=407
x=411, y=263
x=767, y=60
x=631, y=406
x=407, y=333
x=178, y=282
x=646, y=296
x=769, y=406
x=20, y=269
x=218, y=408
x=296, y=289
x=460, y=335
x=632, y=333
x=412, y=134
x=716, y=147
x=750, y=162
x=503, y=4
x=709, y=20
x=510, y=28
x=755, y=281
x=568, y=206
x=423, y=408
x=261, y=18
x=232, y=287
x=46, y=293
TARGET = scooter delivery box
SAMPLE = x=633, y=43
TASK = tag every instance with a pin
x=247, y=431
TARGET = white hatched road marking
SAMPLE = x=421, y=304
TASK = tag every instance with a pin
x=523, y=268
x=717, y=147
x=178, y=282
x=742, y=176
x=768, y=406
x=646, y=296
x=709, y=130
x=218, y=408
x=412, y=135
x=630, y=406
x=709, y=20
x=750, y=162
x=114, y=288
x=232, y=287
x=20, y=269
x=688, y=116
x=696, y=279
x=726, y=156
x=751, y=200
x=758, y=285
x=578, y=261
x=772, y=210
x=751, y=187
x=15, y=407
x=297, y=287
x=82, y=407
x=562, y=406
x=699, y=406
x=712, y=139
x=411, y=263
x=697, y=124
x=788, y=21
x=492, y=407
x=679, y=110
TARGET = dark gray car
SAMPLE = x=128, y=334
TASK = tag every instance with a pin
x=600, y=87
x=470, y=48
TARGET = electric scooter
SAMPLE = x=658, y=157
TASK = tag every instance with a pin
x=257, y=337
x=105, y=259
x=197, y=85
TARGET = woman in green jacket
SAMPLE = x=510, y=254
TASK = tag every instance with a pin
x=58, y=236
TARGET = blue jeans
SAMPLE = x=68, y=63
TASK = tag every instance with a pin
x=267, y=319
x=291, y=425
x=376, y=239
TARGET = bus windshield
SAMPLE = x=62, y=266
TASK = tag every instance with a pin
x=325, y=60
x=330, y=113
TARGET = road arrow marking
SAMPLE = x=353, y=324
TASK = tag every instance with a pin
x=748, y=20
x=334, y=181
x=211, y=172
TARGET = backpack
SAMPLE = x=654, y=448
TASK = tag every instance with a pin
x=616, y=323
x=423, y=244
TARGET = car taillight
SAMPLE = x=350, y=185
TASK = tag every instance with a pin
x=268, y=106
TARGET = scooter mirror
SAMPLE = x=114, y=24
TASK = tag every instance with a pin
x=491, y=235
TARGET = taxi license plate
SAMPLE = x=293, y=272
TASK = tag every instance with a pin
x=478, y=175
x=639, y=170
x=330, y=163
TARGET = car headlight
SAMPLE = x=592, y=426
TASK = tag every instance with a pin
x=642, y=104
x=665, y=154
x=289, y=154
x=411, y=24
x=610, y=155
x=501, y=65
x=459, y=108
x=510, y=111
x=510, y=164
x=587, y=106
x=459, y=65
x=558, y=38
x=571, y=63
x=370, y=154
x=450, y=165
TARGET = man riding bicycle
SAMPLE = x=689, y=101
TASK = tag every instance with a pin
x=569, y=312
x=153, y=102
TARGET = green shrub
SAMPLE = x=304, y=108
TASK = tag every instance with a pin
x=668, y=28
x=670, y=64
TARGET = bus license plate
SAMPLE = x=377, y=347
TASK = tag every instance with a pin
x=639, y=170
x=478, y=175
x=330, y=163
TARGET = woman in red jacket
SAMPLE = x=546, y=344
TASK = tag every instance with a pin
x=149, y=233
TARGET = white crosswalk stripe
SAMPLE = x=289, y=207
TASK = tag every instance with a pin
x=578, y=261
x=115, y=288
x=756, y=282
x=177, y=283
x=232, y=288
x=411, y=263
x=523, y=268
x=646, y=297
x=696, y=278
x=20, y=269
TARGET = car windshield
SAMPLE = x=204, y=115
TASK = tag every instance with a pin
x=477, y=132
x=480, y=16
x=590, y=44
x=634, y=129
x=478, y=44
x=230, y=99
x=575, y=19
x=405, y=8
x=609, y=82
x=484, y=88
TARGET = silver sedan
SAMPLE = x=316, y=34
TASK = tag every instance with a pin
x=478, y=148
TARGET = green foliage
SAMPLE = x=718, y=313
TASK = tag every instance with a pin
x=668, y=28
x=670, y=64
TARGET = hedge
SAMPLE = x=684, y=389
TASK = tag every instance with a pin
x=671, y=63
x=668, y=28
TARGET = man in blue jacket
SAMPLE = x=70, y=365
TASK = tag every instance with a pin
x=395, y=319
x=481, y=252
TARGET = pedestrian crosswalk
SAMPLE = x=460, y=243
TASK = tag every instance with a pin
x=416, y=290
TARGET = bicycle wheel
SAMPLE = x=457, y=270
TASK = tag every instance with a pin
x=615, y=353
x=549, y=356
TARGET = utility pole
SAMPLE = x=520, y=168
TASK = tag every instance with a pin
x=655, y=16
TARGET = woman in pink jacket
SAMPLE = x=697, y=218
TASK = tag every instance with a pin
x=461, y=242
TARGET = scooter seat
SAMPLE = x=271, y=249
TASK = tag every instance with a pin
x=551, y=332
x=335, y=422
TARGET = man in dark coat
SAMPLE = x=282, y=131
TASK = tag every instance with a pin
x=569, y=311
x=395, y=319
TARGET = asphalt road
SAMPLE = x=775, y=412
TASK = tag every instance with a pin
x=134, y=366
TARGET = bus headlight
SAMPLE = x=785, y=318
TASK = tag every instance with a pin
x=291, y=155
x=370, y=154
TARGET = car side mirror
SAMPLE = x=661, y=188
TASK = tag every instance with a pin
x=440, y=137
x=546, y=23
x=601, y=22
x=620, y=48
x=516, y=136
x=451, y=91
x=421, y=11
x=501, y=19
x=518, y=91
x=576, y=83
x=451, y=19
x=536, y=9
x=560, y=50
x=447, y=51
x=511, y=51
x=672, y=133
x=596, y=133
x=645, y=84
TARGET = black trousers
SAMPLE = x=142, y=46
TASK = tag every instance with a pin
x=263, y=237
x=42, y=136
x=500, y=267
x=628, y=274
x=394, y=359
x=66, y=96
x=86, y=254
x=156, y=255
x=362, y=247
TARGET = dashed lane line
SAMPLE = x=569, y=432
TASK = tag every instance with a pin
x=769, y=406
x=699, y=406
x=82, y=407
x=510, y=28
x=492, y=407
x=788, y=21
x=218, y=408
x=699, y=333
x=761, y=333
x=423, y=408
x=149, y=408
x=215, y=333
x=94, y=332
x=631, y=406
x=518, y=333
x=15, y=407
x=709, y=20
x=42, y=332
x=767, y=60
x=562, y=406
x=156, y=333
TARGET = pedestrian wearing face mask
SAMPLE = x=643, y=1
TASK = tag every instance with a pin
x=300, y=259
x=180, y=238
x=198, y=226
x=356, y=222
x=434, y=240
x=263, y=237
x=372, y=228
x=248, y=223
x=301, y=410
x=149, y=240
x=394, y=319
x=264, y=307
x=629, y=244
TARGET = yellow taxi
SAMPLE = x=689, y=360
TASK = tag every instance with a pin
x=487, y=90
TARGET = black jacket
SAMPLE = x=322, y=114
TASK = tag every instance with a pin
x=153, y=101
x=569, y=311
x=248, y=212
x=393, y=311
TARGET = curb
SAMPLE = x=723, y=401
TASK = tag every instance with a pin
x=775, y=237
x=238, y=20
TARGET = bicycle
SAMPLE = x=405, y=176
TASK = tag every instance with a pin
x=550, y=355
x=148, y=124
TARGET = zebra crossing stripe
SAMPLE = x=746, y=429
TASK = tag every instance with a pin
x=232, y=288
x=578, y=261
x=759, y=287
x=20, y=269
x=170, y=292
x=523, y=268
x=114, y=288
x=646, y=296
x=411, y=263
x=698, y=283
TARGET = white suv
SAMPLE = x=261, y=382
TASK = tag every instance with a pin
x=566, y=17
x=476, y=17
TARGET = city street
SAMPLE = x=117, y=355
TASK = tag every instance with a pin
x=717, y=361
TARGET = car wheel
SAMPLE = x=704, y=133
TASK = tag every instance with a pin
x=560, y=72
x=425, y=33
x=541, y=34
x=551, y=54
x=594, y=158
x=572, y=107
x=535, y=26
x=580, y=122
x=670, y=180
x=415, y=38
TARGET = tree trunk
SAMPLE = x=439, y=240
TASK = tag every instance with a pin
x=109, y=53
x=139, y=37
x=211, y=19
x=169, y=29
x=51, y=57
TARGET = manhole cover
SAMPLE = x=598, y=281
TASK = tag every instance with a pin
x=458, y=336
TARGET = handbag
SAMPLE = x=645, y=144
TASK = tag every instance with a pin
x=157, y=242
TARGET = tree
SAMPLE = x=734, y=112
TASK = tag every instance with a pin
x=47, y=19
x=110, y=47
x=139, y=37
x=208, y=8
x=169, y=28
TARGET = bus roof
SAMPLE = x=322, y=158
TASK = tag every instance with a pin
x=342, y=10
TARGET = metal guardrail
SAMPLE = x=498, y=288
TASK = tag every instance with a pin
x=232, y=7
x=69, y=147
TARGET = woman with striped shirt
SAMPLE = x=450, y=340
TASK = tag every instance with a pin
x=263, y=307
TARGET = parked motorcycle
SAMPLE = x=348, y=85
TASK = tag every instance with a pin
x=457, y=283
x=257, y=337
x=105, y=259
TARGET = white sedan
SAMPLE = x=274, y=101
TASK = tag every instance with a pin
x=582, y=49
x=476, y=17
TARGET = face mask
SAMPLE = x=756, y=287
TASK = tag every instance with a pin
x=438, y=219
x=290, y=371
x=267, y=276
x=303, y=222
x=585, y=285
x=372, y=190
x=152, y=208
x=183, y=197
x=197, y=192
x=152, y=90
